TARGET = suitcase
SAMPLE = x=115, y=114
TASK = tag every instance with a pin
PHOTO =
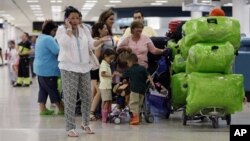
x=206, y=90
x=212, y=29
x=210, y=58
x=178, y=90
x=172, y=26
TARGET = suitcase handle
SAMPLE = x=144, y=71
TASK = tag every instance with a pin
x=214, y=48
x=212, y=20
x=185, y=85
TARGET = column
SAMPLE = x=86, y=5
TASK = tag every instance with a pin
x=196, y=14
x=241, y=12
x=216, y=3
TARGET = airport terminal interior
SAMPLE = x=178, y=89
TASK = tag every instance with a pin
x=197, y=55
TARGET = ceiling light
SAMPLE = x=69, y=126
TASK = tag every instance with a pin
x=86, y=8
x=161, y=1
x=40, y=18
x=89, y=5
x=115, y=1
x=56, y=1
x=39, y=11
x=206, y=1
x=155, y=4
x=228, y=4
x=91, y=1
x=38, y=14
x=34, y=6
x=32, y=1
x=109, y=5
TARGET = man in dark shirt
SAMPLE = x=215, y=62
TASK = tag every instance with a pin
x=137, y=76
x=24, y=50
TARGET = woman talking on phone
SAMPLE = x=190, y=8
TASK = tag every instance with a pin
x=75, y=42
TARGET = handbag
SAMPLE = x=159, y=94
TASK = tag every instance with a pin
x=94, y=63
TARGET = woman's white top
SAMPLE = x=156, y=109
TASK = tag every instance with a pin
x=74, y=52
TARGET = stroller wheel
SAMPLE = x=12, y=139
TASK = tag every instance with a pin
x=149, y=119
x=117, y=120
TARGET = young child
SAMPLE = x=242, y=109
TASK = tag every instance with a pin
x=122, y=91
x=13, y=59
x=106, y=82
x=137, y=76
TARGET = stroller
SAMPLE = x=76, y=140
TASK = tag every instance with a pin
x=120, y=112
x=154, y=100
x=158, y=101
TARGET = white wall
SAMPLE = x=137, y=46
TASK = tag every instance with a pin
x=158, y=23
x=241, y=11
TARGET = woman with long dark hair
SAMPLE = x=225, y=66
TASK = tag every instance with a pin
x=75, y=42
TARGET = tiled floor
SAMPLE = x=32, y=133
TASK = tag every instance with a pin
x=20, y=121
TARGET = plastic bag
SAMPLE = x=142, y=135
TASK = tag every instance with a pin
x=59, y=84
x=214, y=90
x=210, y=58
x=173, y=46
x=179, y=64
x=179, y=90
x=211, y=29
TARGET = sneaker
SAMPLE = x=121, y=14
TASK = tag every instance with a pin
x=135, y=120
x=17, y=85
x=61, y=113
x=26, y=85
x=47, y=112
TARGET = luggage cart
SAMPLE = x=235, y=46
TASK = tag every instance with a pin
x=213, y=113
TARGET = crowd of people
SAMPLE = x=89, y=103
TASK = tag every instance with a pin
x=64, y=52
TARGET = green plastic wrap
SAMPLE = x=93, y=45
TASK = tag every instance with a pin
x=210, y=58
x=214, y=90
x=59, y=85
x=173, y=46
x=179, y=90
x=211, y=29
x=179, y=64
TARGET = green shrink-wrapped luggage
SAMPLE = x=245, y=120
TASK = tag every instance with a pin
x=179, y=64
x=210, y=58
x=179, y=90
x=211, y=29
x=214, y=90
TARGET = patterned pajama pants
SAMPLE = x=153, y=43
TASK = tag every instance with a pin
x=72, y=83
